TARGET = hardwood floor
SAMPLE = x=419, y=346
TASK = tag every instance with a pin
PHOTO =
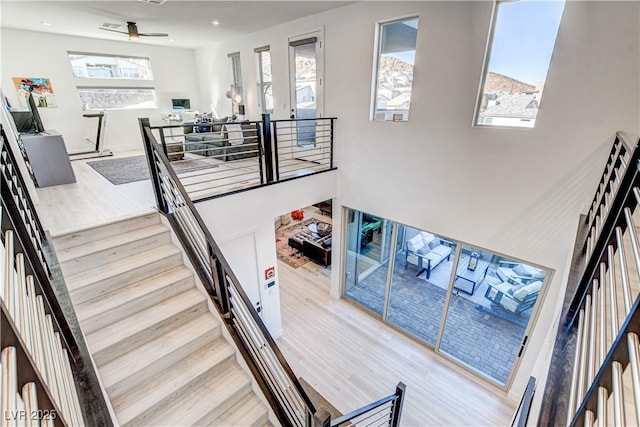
x=349, y=357
x=353, y=359
x=92, y=199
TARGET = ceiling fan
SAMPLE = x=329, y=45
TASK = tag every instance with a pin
x=132, y=32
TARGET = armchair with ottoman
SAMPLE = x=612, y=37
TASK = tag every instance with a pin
x=426, y=251
x=519, y=288
x=225, y=141
x=517, y=273
x=514, y=299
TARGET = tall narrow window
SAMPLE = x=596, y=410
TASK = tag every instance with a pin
x=523, y=36
x=237, y=94
x=265, y=91
x=396, y=47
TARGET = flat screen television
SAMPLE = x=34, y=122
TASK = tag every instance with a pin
x=181, y=104
x=37, y=121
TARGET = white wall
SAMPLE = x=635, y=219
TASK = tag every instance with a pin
x=35, y=54
x=513, y=191
x=253, y=212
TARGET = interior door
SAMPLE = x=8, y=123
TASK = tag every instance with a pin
x=306, y=84
x=241, y=253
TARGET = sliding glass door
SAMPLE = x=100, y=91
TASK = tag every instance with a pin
x=367, y=260
x=419, y=282
x=491, y=306
x=472, y=305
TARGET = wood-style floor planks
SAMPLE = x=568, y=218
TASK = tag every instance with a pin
x=348, y=356
x=353, y=359
x=92, y=199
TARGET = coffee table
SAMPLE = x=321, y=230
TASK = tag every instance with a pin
x=474, y=277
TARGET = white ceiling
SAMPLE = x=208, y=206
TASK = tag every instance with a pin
x=188, y=23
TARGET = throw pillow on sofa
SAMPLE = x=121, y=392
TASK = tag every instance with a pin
x=415, y=243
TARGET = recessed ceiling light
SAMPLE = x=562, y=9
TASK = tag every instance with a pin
x=215, y=22
x=171, y=40
x=46, y=24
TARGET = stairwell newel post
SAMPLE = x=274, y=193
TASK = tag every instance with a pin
x=322, y=418
x=331, y=146
x=397, y=404
x=268, y=147
x=153, y=168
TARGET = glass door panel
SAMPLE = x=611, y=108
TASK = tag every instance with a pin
x=304, y=90
x=421, y=275
x=366, y=275
x=491, y=304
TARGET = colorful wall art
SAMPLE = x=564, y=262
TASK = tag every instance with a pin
x=40, y=87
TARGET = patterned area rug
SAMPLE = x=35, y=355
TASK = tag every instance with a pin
x=286, y=253
x=124, y=170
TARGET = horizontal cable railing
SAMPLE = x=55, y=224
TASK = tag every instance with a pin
x=285, y=394
x=212, y=158
x=615, y=168
x=603, y=314
x=302, y=146
x=39, y=351
x=384, y=412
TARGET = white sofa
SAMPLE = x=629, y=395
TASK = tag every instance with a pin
x=426, y=251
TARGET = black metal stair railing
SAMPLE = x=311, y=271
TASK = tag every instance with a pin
x=383, y=412
x=286, y=397
x=277, y=381
x=597, y=343
x=44, y=360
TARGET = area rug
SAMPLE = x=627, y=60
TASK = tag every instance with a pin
x=286, y=253
x=124, y=170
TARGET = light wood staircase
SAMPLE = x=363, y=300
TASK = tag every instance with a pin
x=159, y=350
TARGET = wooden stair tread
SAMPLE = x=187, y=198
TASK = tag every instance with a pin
x=116, y=305
x=81, y=236
x=161, y=352
x=93, y=247
x=249, y=411
x=121, y=266
x=139, y=406
x=145, y=325
x=209, y=399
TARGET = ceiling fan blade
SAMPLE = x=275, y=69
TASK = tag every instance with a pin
x=153, y=34
x=115, y=31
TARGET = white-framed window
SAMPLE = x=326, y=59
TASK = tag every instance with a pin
x=236, y=77
x=105, y=66
x=117, y=98
x=521, y=42
x=265, y=89
x=393, y=69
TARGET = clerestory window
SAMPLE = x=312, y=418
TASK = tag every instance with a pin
x=522, y=39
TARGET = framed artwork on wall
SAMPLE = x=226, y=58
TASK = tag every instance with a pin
x=40, y=87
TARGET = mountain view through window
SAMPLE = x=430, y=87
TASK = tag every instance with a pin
x=518, y=62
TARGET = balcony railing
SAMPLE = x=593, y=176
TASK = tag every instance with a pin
x=213, y=159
